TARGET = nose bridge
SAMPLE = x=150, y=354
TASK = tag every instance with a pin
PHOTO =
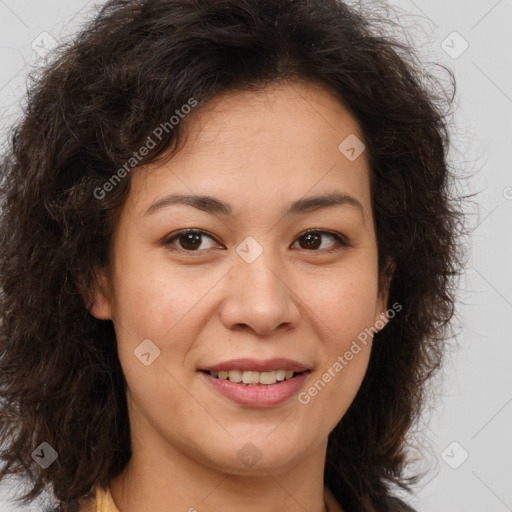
x=262, y=273
x=258, y=295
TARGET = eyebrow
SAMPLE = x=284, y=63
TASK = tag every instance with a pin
x=214, y=205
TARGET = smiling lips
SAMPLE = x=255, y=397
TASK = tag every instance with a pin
x=257, y=383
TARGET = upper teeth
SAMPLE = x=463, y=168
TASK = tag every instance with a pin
x=248, y=377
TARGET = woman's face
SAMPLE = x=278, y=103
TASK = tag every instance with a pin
x=250, y=285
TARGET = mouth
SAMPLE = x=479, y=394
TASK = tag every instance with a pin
x=255, y=389
x=255, y=378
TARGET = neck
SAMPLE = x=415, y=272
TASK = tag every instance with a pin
x=164, y=480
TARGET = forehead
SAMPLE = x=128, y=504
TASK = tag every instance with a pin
x=279, y=142
x=294, y=111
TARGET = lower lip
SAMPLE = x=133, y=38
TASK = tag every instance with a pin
x=257, y=395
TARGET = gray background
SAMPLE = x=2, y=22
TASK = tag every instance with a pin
x=469, y=465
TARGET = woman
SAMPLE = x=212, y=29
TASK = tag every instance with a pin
x=229, y=250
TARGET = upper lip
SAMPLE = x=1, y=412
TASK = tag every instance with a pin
x=245, y=364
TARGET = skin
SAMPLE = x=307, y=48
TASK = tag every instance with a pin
x=257, y=151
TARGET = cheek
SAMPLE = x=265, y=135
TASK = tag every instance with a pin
x=342, y=304
x=153, y=297
x=342, y=309
x=342, y=380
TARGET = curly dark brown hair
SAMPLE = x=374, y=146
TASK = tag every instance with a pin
x=126, y=72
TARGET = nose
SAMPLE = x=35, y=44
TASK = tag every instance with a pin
x=258, y=297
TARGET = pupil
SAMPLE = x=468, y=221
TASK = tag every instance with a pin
x=311, y=238
x=191, y=240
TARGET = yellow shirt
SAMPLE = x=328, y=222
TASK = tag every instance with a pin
x=103, y=502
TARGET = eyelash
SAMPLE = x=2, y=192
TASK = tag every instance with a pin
x=341, y=242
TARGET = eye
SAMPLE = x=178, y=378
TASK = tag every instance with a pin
x=312, y=240
x=189, y=240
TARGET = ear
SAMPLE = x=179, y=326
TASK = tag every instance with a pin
x=97, y=297
x=381, y=314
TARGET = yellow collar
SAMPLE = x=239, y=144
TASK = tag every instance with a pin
x=105, y=503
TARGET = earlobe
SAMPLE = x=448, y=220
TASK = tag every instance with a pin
x=381, y=321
